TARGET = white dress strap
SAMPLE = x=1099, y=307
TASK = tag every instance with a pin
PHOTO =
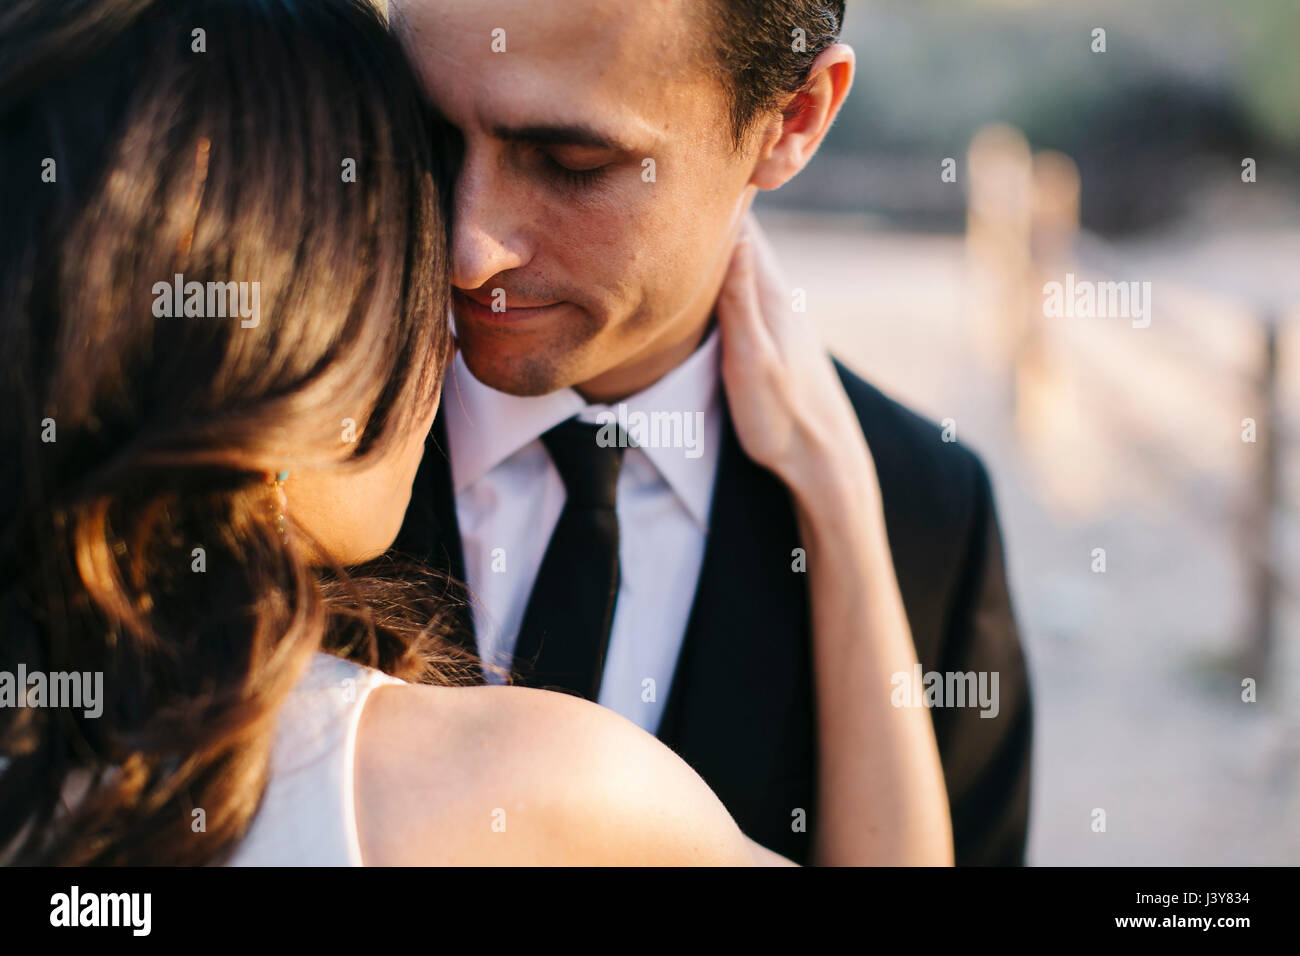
x=308, y=813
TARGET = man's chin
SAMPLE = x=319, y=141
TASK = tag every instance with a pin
x=524, y=361
x=508, y=364
x=526, y=376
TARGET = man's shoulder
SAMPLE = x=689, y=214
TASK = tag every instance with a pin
x=921, y=466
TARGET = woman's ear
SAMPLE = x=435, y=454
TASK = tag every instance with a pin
x=790, y=142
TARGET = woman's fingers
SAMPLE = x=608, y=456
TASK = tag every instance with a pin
x=773, y=293
x=772, y=305
x=740, y=307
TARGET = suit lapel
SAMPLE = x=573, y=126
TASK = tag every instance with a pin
x=739, y=697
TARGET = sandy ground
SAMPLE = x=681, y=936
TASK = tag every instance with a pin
x=1133, y=446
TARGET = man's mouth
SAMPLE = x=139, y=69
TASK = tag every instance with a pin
x=500, y=309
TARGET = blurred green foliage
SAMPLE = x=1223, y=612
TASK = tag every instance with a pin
x=1266, y=39
x=931, y=72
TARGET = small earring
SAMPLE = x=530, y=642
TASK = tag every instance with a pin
x=279, y=503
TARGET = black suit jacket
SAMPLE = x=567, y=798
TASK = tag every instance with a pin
x=741, y=709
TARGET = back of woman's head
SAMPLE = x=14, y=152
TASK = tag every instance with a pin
x=222, y=237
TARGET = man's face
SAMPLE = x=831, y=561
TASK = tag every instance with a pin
x=599, y=188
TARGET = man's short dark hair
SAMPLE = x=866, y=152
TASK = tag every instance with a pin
x=763, y=56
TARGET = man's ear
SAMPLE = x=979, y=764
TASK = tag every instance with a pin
x=790, y=142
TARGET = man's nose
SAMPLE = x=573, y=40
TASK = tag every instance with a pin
x=487, y=238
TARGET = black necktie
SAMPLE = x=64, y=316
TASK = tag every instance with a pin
x=566, y=626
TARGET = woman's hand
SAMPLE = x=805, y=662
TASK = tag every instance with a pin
x=789, y=409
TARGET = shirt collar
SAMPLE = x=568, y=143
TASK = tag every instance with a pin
x=485, y=426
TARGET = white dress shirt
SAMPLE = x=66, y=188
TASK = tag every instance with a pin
x=509, y=496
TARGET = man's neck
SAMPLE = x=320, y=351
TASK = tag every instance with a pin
x=644, y=370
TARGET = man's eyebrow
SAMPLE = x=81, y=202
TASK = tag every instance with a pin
x=568, y=134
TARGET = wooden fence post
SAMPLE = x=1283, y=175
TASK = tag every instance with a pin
x=1261, y=549
x=998, y=218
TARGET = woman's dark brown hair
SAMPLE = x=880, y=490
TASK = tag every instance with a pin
x=215, y=140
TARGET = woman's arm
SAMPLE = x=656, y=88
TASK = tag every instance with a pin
x=881, y=796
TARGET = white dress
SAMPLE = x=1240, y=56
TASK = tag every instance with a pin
x=308, y=814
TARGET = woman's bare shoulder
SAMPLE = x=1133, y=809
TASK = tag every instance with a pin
x=514, y=776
